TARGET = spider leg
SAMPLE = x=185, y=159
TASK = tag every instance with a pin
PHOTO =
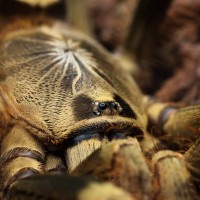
x=75, y=9
x=64, y=187
x=54, y=164
x=172, y=179
x=20, y=156
x=80, y=151
x=185, y=122
x=177, y=122
x=148, y=16
x=122, y=163
x=192, y=158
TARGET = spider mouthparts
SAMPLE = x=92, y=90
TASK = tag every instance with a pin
x=110, y=132
x=79, y=152
x=83, y=145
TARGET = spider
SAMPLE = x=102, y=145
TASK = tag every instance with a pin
x=70, y=109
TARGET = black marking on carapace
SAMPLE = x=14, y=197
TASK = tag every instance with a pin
x=82, y=105
x=81, y=65
x=69, y=76
x=46, y=53
x=127, y=111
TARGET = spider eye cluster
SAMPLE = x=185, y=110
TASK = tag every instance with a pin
x=100, y=108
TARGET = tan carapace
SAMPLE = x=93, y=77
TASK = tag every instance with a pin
x=57, y=89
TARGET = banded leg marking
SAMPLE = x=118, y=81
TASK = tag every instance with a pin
x=172, y=179
x=20, y=156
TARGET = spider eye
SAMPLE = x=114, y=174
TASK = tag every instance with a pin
x=114, y=105
x=103, y=106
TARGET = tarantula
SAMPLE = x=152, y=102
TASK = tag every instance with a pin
x=68, y=106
